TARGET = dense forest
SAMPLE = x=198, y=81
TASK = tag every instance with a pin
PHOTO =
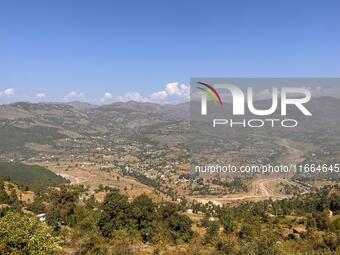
x=30, y=176
x=76, y=223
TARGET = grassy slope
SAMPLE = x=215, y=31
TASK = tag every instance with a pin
x=13, y=138
x=29, y=175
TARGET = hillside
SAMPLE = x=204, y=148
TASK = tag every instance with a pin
x=80, y=140
x=31, y=176
x=305, y=224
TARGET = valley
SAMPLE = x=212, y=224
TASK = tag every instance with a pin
x=144, y=147
x=119, y=179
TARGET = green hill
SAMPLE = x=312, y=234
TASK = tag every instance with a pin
x=30, y=176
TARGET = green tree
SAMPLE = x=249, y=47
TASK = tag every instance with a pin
x=264, y=245
x=331, y=240
x=249, y=231
x=334, y=204
x=335, y=225
x=37, y=206
x=13, y=197
x=86, y=218
x=143, y=215
x=62, y=205
x=26, y=235
x=227, y=245
x=229, y=224
x=180, y=227
x=177, y=226
x=322, y=220
x=93, y=244
x=115, y=216
x=311, y=222
x=212, y=232
x=4, y=198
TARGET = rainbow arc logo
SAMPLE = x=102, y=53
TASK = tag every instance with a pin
x=211, y=92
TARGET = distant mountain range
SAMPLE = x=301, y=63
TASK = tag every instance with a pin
x=24, y=123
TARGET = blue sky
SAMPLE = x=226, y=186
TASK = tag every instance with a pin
x=80, y=50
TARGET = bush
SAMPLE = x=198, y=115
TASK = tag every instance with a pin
x=26, y=235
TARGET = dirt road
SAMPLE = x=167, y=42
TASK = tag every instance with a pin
x=264, y=188
x=259, y=190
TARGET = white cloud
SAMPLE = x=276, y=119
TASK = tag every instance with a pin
x=132, y=96
x=8, y=93
x=173, y=88
x=40, y=95
x=73, y=95
x=173, y=93
x=158, y=96
x=107, y=97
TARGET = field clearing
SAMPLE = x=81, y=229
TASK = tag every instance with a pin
x=260, y=189
x=89, y=174
x=25, y=196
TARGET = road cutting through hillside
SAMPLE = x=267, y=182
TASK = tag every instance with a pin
x=260, y=189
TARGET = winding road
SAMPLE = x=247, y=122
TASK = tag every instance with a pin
x=260, y=188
